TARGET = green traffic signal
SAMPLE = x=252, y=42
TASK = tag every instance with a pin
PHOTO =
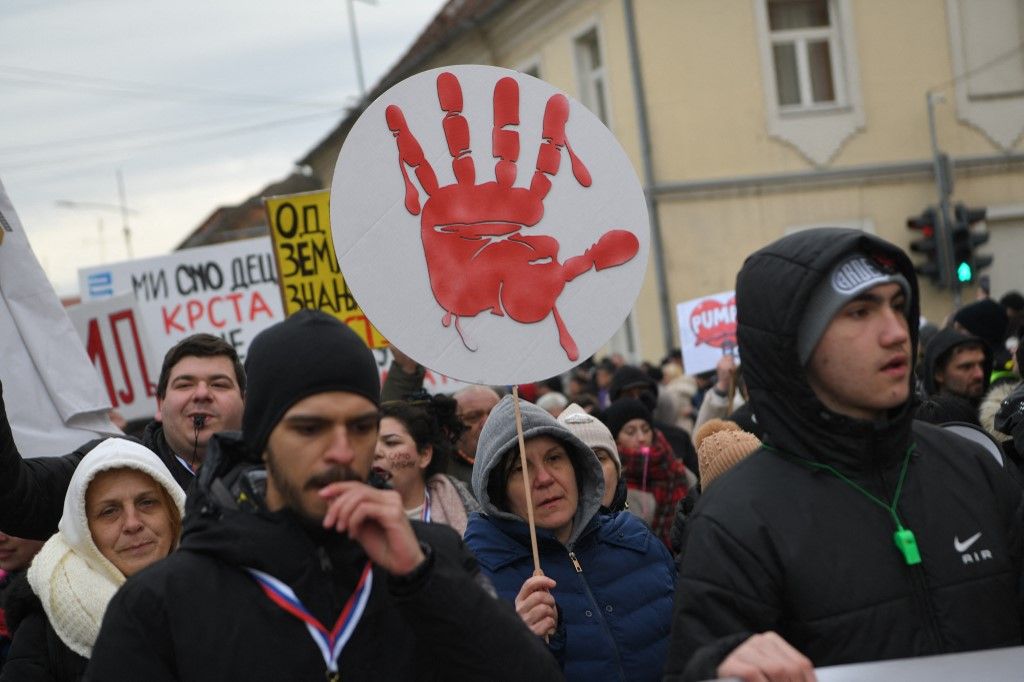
x=963, y=272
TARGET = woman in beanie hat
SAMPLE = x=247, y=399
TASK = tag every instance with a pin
x=648, y=463
x=122, y=512
x=605, y=599
x=596, y=436
x=414, y=444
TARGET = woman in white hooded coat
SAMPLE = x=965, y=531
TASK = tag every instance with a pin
x=122, y=512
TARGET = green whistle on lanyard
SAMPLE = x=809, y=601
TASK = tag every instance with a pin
x=907, y=544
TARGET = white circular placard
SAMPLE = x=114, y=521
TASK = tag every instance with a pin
x=509, y=264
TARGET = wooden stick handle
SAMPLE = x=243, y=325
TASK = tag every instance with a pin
x=526, y=483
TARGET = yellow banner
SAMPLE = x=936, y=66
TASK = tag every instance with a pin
x=307, y=266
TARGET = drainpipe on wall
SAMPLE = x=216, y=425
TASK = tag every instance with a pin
x=648, y=175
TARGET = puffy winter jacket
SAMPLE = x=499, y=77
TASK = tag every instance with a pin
x=781, y=543
x=615, y=579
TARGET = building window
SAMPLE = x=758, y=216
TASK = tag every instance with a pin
x=590, y=70
x=530, y=68
x=809, y=72
x=804, y=53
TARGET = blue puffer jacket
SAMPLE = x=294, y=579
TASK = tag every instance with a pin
x=615, y=580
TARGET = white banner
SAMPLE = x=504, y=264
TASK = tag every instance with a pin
x=229, y=290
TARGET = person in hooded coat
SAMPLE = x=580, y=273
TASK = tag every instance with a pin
x=605, y=599
x=854, y=533
x=122, y=512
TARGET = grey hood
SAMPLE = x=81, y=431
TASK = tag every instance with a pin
x=499, y=437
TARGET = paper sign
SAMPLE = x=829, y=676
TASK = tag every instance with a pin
x=229, y=290
x=116, y=343
x=707, y=330
x=300, y=227
x=491, y=227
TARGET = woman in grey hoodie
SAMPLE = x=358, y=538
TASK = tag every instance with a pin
x=604, y=602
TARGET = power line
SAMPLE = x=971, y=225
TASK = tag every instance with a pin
x=55, y=80
x=92, y=140
x=242, y=130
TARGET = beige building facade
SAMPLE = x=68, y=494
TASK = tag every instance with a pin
x=748, y=119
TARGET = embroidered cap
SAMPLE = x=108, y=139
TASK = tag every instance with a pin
x=850, y=278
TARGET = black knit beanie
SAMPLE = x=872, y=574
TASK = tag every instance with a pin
x=310, y=352
x=985, y=319
x=622, y=412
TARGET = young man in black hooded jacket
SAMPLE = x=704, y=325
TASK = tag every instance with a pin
x=854, y=534
x=292, y=567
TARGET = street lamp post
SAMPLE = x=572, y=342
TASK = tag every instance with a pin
x=355, y=44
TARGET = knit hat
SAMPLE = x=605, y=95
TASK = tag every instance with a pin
x=622, y=412
x=308, y=353
x=591, y=431
x=985, y=319
x=627, y=377
x=721, y=445
x=848, y=279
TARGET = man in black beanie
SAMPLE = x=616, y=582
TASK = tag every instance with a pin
x=284, y=538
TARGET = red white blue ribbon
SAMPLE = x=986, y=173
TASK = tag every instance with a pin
x=329, y=642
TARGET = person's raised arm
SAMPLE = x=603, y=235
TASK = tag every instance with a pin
x=31, y=490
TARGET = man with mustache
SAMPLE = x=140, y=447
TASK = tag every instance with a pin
x=854, y=533
x=292, y=567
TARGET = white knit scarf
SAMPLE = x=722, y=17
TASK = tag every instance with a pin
x=74, y=593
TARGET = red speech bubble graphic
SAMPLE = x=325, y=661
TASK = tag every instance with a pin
x=714, y=323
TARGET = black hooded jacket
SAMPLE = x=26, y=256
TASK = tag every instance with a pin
x=779, y=543
x=938, y=349
x=198, y=616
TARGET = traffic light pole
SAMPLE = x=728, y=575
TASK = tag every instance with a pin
x=944, y=185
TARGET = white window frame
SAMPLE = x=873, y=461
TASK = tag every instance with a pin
x=800, y=38
x=817, y=131
x=586, y=77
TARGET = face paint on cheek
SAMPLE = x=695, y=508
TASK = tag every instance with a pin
x=401, y=460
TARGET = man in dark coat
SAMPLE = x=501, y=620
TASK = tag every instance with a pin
x=284, y=539
x=854, y=533
x=199, y=392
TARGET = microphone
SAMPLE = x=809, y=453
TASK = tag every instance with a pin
x=198, y=421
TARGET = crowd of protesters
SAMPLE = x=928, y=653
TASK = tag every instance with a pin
x=295, y=518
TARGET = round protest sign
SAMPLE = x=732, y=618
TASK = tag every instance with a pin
x=488, y=225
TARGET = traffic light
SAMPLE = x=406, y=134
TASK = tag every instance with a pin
x=966, y=262
x=927, y=244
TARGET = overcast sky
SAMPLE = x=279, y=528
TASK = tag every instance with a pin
x=198, y=103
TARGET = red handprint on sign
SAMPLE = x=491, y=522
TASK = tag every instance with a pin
x=477, y=258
